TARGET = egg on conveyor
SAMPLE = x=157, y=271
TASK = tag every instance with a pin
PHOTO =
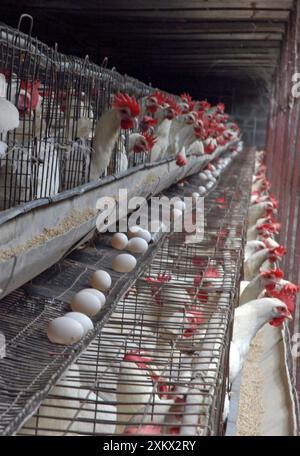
x=133, y=231
x=216, y=173
x=119, y=241
x=97, y=293
x=137, y=231
x=101, y=280
x=88, y=301
x=203, y=176
x=83, y=319
x=145, y=234
x=210, y=184
x=124, y=263
x=202, y=190
x=137, y=245
x=180, y=205
x=64, y=331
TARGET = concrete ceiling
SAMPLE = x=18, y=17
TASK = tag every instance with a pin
x=160, y=40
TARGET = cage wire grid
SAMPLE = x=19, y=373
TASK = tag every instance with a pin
x=59, y=98
x=177, y=316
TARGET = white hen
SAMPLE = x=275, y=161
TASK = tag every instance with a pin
x=122, y=115
x=248, y=319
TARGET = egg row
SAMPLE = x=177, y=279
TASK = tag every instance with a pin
x=137, y=242
x=69, y=329
x=88, y=302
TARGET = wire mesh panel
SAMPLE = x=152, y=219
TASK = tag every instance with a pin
x=59, y=99
x=159, y=364
x=283, y=168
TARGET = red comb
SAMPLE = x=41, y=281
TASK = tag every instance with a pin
x=211, y=273
x=123, y=100
x=286, y=294
x=220, y=108
x=186, y=97
x=221, y=140
x=204, y=104
x=197, y=280
x=278, y=273
x=27, y=85
x=135, y=357
x=280, y=251
x=181, y=160
x=234, y=127
x=209, y=148
x=195, y=318
x=160, y=97
x=199, y=261
x=220, y=128
x=149, y=121
x=145, y=429
x=151, y=140
x=173, y=105
x=268, y=228
x=276, y=253
x=161, y=278
x=274, y=201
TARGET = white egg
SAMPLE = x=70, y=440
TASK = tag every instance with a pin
x=137, y=245
x=133, y=231
x=88, y=302
x=210, y=184
x=101, y=280
x=64, y=331
x=144, y=234
x=195, y=195
x=119, y=241
x=83, y=319
x=97, y=293
x=203, y=176
x=180, y=205
x=137, y=231
x=176, y=213
x=124, y=263
x=202, y=190
x=208, y=174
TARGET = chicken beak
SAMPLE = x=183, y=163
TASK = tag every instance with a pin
x=135, y=123
x=288, y=315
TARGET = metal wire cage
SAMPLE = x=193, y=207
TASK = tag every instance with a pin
x=59, y=99
x=160, y=363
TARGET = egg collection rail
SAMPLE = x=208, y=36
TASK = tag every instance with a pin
x=177, y=318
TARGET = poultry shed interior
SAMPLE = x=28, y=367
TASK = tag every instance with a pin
x=149, y=218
